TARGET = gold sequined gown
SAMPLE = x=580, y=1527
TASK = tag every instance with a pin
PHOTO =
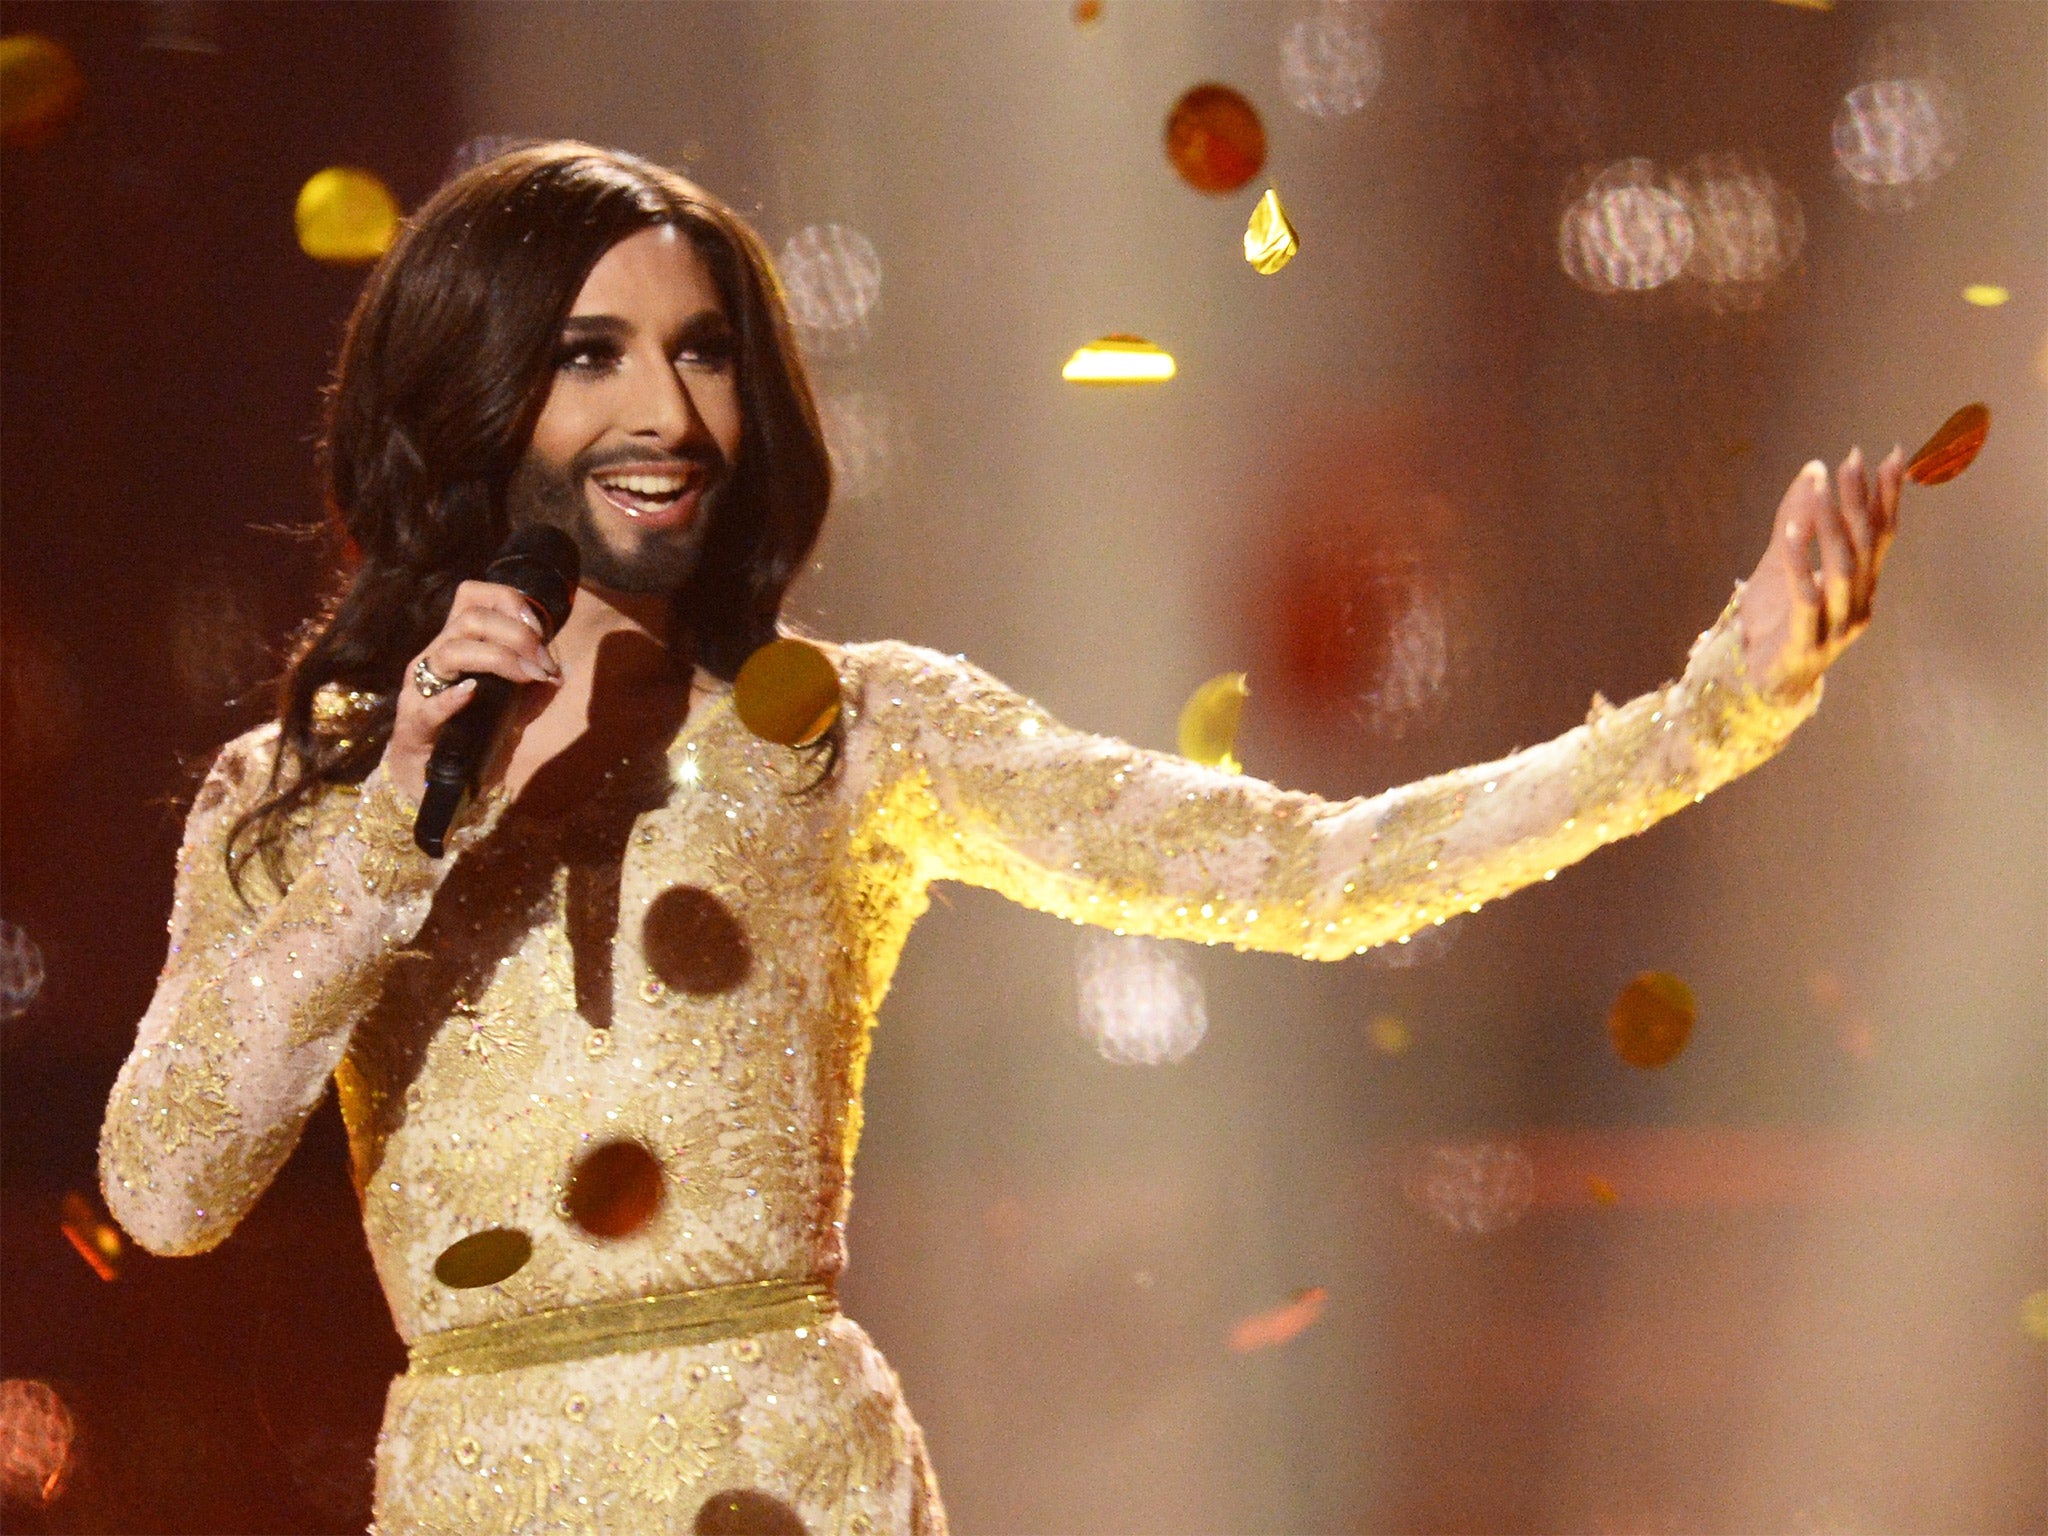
x=693, y=963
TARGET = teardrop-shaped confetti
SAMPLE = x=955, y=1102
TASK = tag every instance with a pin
x=1209, y=720
x=483, y=1258
x=1269, y=240
x=345, y=215
x=1119, y=358
x=1215, y=139
x=1652, y=1019
x=787, y=693
x=1954, y=446
x=39, y=88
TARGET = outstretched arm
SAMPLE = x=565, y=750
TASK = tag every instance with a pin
x=965, y=780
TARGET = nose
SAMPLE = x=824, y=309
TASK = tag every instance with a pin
x=660, y=408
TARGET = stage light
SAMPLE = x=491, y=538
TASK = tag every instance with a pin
x=1140, y=1000
x=1747, y=228
x=1985, y=295
x=40, y=87
x=832, y=281
x=1474, y=1187
x=1281, y=1324
x=1894, y=138
x=345, y=215
x=1119, y=359
x=1209, y=721
x=1651, y=1020
x=1625, y=234
x=1269, y=240
x=21, y=971
x=1215, y=139
x=1330, y=63
x=36, y=1432
x=1390, y=1037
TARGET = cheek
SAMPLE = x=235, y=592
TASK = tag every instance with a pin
x=718, y=403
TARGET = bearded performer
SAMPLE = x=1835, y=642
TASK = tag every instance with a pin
x=601, y=1065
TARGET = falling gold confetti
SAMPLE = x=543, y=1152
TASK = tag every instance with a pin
x=1652, y=1019
x=1269, y=240
x=1209, y=719
x=1602, y=1192
x=1087, y=13
x=97, y=1240
x=1954, y=446
x=1985, y=295
x=1277, y=1325
x=1119, y=359
x=2034, y=1316
x=39, y=88
x=345, y=215
x=483, y=1258
x=1215, y=139
x=787, y=693
x=1809, y=5
x=1390, y=1037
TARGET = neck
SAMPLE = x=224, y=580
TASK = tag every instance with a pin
x=641, y=619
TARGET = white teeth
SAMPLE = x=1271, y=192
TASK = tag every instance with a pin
x=645, y=485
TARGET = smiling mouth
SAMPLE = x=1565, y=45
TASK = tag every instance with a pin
x=660, y=498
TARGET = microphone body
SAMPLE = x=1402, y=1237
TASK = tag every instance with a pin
x=542, y=564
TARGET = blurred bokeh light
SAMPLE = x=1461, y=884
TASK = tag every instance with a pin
x=832, y=279
x=1330, y=62
x=40, y=87
x=1894, y=138
x=868, y=437
x=21, y=971
x=182, y=26
x=1476, y=1187
x=1215, y=140
x=345, y=215
x=88, y=1230
x=1140, y=999
x=1625, y=233
x=1747, y=228
x=36, y=1432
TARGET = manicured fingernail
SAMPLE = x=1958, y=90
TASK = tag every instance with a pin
x=532, y=623
x=1817, y=472
x=534, y=670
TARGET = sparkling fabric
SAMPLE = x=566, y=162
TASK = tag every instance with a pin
x=692, y=960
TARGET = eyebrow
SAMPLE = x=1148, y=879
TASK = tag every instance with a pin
x=614, y=327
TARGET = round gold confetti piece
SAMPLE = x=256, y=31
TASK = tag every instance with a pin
x=1652, y=1019
x=1215, y=139
x=1269, y=240
x=614, y=1190
x=787, y=693
x=345, y=215
x=483, y=1258
x=39, y=88
x=1986, y=295
x=1954, y=446
x=1209, y=720
x=2034, y=1316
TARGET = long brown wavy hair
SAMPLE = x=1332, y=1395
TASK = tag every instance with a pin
x=445, y=364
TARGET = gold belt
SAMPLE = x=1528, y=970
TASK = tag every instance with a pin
x=617, y=1327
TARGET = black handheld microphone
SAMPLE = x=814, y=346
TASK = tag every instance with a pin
x=542, y=564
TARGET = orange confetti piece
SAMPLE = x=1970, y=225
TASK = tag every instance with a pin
x=1954, y=446
x=1215, y=139
x=1277, y=1325
x=97, y=1240
x=1652, y=1019
x=1603, y=1192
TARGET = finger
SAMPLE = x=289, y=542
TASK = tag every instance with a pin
x=450, y=656
x=1854, y=495
x=1837, y=565
x=1891, y=480
x=445, y=705
x=498, y=598
x=480, y=623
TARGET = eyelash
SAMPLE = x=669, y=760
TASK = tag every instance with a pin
x=597, y=356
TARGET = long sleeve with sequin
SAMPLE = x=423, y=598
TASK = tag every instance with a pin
x=256, y=1000
x=974, y=783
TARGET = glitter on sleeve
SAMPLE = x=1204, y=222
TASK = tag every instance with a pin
x=969, y=781
x=256, y=1002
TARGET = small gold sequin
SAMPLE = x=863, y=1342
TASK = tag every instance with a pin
x=651, y=990
x=468, y=1452
x=577, y=1408
x=597, y=1044
x=746, y=1351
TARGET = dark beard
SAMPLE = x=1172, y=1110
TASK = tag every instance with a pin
x=665, y=562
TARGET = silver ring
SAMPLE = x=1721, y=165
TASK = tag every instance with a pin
x=428, y=681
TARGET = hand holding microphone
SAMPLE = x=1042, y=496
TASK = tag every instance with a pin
x=458, y=690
